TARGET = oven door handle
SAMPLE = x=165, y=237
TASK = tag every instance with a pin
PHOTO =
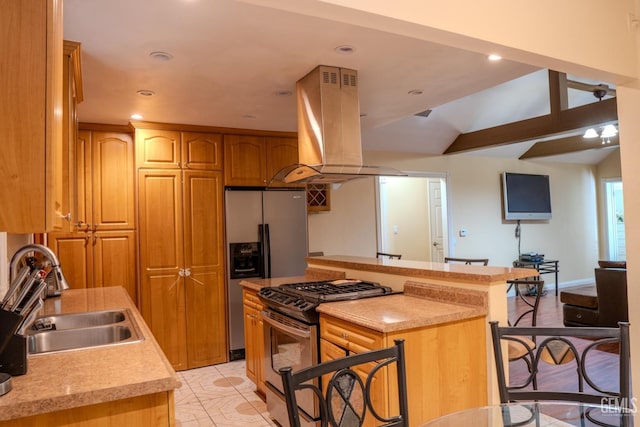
x=288, y=329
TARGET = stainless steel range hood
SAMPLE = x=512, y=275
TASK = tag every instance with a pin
x=329, y=143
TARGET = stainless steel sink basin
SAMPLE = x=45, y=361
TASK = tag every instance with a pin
x=83, y=330
x=78, y=320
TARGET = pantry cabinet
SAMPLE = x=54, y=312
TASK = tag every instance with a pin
x=445, y=371
x=181, y=244
x=252, y=161
x=254, y=339
x=31, y=121
x=99, y=248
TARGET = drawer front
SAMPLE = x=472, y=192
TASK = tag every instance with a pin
x=352, y=337
x=250, y=298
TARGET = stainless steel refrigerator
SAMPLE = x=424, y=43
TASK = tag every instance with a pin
x=266, y=237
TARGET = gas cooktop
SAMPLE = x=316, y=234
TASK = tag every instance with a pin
x=301, y=299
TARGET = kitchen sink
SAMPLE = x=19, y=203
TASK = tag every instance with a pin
x=78, y=320
x=78, y=331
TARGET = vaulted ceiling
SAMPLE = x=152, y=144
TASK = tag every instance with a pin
x=233, y=64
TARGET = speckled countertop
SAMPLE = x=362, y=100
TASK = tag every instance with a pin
x=477, y=274
x=84, y=377
x=420, y=305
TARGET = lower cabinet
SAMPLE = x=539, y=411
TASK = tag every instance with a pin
x=147, y=410
x=446, y=364
x=96, y=259
x=254, y=339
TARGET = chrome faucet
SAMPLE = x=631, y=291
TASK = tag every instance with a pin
x=56, y=282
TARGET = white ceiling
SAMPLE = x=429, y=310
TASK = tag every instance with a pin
x=230, y=59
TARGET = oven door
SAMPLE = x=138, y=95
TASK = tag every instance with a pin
x=288, y=343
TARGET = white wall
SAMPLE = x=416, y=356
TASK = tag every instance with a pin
x=475, y=204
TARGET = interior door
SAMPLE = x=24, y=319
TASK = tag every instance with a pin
x=437, y=220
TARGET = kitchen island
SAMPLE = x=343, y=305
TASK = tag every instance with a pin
x=125, y=384
x=442, y=312
x=489, y=280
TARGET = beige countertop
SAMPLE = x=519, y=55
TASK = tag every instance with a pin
x=420, y=305
x=422, y=269
x=84, y=377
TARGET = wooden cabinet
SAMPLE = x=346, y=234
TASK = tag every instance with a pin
x=254, y=339
x=31, y=115
x=97, y=259
x=446, y=370
x=253, y=160
x=105, y=169
x=73, y=95
x=100, y=248
x=181, y=245
x=318, y=197
x=172, y=149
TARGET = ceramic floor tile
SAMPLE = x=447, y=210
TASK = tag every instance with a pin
x=219, y=396
x=234, y=411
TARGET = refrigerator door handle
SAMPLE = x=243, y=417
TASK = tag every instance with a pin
x=267, y=244
x=262, y=250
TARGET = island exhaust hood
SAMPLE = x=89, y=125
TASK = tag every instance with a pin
x=329, y=143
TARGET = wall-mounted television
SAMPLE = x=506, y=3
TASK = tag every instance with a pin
x=526, y=196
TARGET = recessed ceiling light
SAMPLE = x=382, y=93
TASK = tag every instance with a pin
x=145, y=92
x=494, y=57
x=249, y=116
x=136, y=117
x=415, y=92
x=284, y=93
x=161, y=56
x=345, y=49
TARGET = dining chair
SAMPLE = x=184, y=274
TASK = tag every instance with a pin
x=467, y=261
x=346, y=399
x=529, y=293
x=390, y=256
x=559, y=346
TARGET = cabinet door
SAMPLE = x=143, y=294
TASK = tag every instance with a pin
x=251, y=342
x=244, y=160
x=112, y=181
x=31, y=115
x=201, y=151
x=157, y=149
x=280, y=152
x=162, y=296
x=114, y=260
x=204, y=261
x=74, y=253
x=254, y=339
x=70, y=88
x=83, y=179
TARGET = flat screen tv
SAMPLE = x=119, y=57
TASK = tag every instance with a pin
x=526, y=196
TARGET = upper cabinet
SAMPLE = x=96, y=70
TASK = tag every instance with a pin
x=252, y=161
x=72, y=90
x=31, y=124
x=172, y=149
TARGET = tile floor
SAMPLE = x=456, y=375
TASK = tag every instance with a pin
x=219, y=396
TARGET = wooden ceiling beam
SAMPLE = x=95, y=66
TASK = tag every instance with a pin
x=561, y=121
x=566, y=145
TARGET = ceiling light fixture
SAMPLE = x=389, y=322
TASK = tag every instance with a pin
x=415, y=92
x=345, y=49
x=161, y=56
x=607, y=132
x=136, y=117
x=145, y=92
x=494, y=57
x=284, y=93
